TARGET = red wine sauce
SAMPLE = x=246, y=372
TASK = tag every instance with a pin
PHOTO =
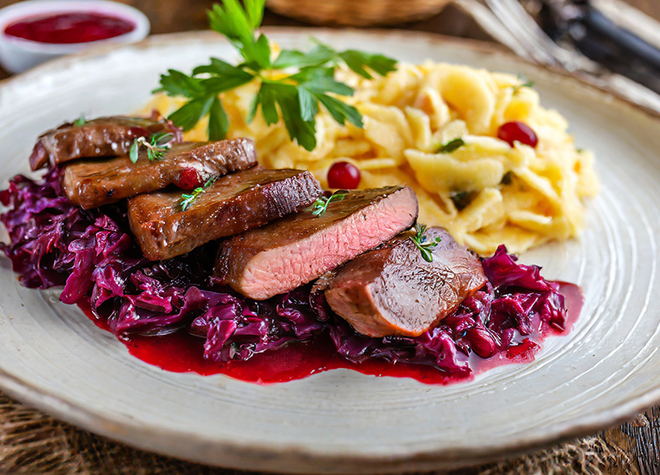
x=181, y=352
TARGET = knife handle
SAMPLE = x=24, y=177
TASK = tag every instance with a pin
x=598, y=25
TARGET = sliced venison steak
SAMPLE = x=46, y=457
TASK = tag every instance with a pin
x=102, y=137
x=392, y=290
x=300, y=248
x=233, y=204
x=92, y=183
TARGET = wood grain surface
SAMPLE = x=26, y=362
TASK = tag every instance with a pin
x=637, y=442
x=650, y=7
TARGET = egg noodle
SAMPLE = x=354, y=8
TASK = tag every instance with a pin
x=485, y=192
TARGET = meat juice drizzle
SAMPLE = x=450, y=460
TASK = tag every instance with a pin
x=181, y=352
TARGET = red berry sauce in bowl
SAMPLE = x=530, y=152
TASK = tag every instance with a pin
x=69, y=27
x=36, y=31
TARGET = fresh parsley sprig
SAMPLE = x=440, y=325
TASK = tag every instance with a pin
x=423, y=243
x=303, y=81
x=156, y=145
x=187, y=199
x=320, y=206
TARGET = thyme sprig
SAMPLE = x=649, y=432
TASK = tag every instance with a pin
x=187, y=200
x=156, y=145
x=320, y=206
x=301, y=83
x=423, y=243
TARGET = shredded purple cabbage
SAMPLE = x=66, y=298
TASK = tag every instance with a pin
x=94, y=256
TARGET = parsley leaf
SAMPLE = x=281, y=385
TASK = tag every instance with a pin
x=340, y=111
x=316, y=57
x=266, y=98
x=175, y=83
x=218, y=120
x=359, y=60
x=255, y=12
x=327, y=84
x=191, y=113
x=303, y=132
x=309, y=105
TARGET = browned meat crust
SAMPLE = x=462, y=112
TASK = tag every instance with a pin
x=102, y=137
x=92, y=183
x=233, y=204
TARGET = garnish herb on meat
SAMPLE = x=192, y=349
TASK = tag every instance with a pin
x=80, y=121
x=321, y=205
x=452, y=145
x=301, y=81
x=188, y=199
x=156, y=146
x=423, y=243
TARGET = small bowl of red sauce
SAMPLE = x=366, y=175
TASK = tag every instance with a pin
x=38, y=30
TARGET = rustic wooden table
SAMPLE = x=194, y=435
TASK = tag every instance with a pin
x=639, y=439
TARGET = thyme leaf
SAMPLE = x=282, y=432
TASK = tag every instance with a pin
x=156, y=145
x=187, y=199
x=320, y=206
x=423, y=243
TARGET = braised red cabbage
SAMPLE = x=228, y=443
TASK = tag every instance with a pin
x=94, y=256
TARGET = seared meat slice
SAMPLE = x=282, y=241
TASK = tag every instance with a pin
x=299, y=248
x=92, y=183
x=233, y=204
x=392, y=290
x=102, y=137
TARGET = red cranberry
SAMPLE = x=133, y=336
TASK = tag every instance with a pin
x=517, y=131
x=138, y=132
x=481, y=341
x=343, y=175
x=189, y=179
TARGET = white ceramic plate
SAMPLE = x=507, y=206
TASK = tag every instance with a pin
x=53, y=357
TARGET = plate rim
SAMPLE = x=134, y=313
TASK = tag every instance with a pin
x=302, y=459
